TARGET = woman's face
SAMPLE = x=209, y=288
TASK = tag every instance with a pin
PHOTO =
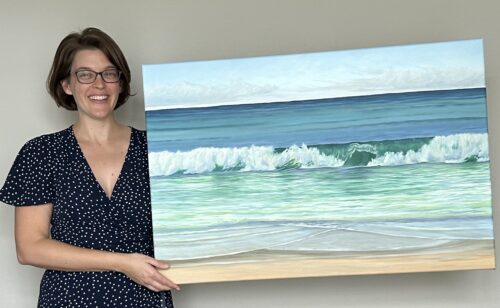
x=96, y=100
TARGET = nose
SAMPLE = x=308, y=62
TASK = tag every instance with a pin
x=99, y=82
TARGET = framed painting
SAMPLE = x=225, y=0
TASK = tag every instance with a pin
x=318, y=164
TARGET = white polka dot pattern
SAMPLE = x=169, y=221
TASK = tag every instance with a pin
x=52, y=169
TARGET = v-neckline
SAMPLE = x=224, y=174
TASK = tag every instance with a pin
x=87, y=165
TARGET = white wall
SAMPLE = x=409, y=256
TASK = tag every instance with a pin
x=183, y=30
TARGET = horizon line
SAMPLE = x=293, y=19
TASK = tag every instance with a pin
x=158, y=108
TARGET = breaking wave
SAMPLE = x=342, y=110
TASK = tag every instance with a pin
x=458, y=148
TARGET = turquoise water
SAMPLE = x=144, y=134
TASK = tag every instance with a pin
x=384, y=173
x=328, y=209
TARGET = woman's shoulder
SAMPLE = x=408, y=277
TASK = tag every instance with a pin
x=141, y=136
x=48, y=143
x=139, y=132
x=51, y=137
x=29, y=181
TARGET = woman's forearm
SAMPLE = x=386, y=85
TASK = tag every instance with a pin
x=35, y=247
x=52, y=254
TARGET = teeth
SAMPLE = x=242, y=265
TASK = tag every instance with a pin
x=99, y=98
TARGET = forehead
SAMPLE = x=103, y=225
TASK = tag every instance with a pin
x=91, y=58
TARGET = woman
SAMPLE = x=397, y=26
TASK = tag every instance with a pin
x=91, y=226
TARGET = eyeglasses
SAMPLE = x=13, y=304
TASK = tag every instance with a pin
x=89, y=76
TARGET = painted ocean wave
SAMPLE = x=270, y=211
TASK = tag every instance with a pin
x=457, y=148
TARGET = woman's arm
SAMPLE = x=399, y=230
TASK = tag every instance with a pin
x=35, y=247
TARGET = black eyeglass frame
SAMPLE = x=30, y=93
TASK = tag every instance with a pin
x=97, y=74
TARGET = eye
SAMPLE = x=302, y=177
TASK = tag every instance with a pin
x=110, y=74
x=85, y=75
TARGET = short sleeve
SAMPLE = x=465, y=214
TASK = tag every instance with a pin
x=30, y=180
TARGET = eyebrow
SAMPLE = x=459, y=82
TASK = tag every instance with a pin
x=82, y=68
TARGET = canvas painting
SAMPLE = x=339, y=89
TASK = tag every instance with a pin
x=351, y=162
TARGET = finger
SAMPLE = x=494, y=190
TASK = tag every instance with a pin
x=172, y=285
x=160, y=286
x=158, y=263
x=162, y=282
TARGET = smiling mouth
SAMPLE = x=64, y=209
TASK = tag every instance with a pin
x=98, y=97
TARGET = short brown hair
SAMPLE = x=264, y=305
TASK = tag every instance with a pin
x=90, y=38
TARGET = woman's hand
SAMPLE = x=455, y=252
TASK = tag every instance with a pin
x=144, y=270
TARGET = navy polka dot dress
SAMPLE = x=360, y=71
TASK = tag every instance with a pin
x=52, y=169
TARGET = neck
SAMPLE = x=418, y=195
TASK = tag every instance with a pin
x=97, y=130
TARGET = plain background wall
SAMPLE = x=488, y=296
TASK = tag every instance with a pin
x=184, y=30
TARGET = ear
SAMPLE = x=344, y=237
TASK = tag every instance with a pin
x=66, y=87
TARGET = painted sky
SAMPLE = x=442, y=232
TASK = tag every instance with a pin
x=422, y=67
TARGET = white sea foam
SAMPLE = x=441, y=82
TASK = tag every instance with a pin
x=254, y=158
x=441, y=149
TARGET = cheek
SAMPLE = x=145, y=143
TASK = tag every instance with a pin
x=79, y=92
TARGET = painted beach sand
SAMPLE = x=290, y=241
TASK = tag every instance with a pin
x=363, y=184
